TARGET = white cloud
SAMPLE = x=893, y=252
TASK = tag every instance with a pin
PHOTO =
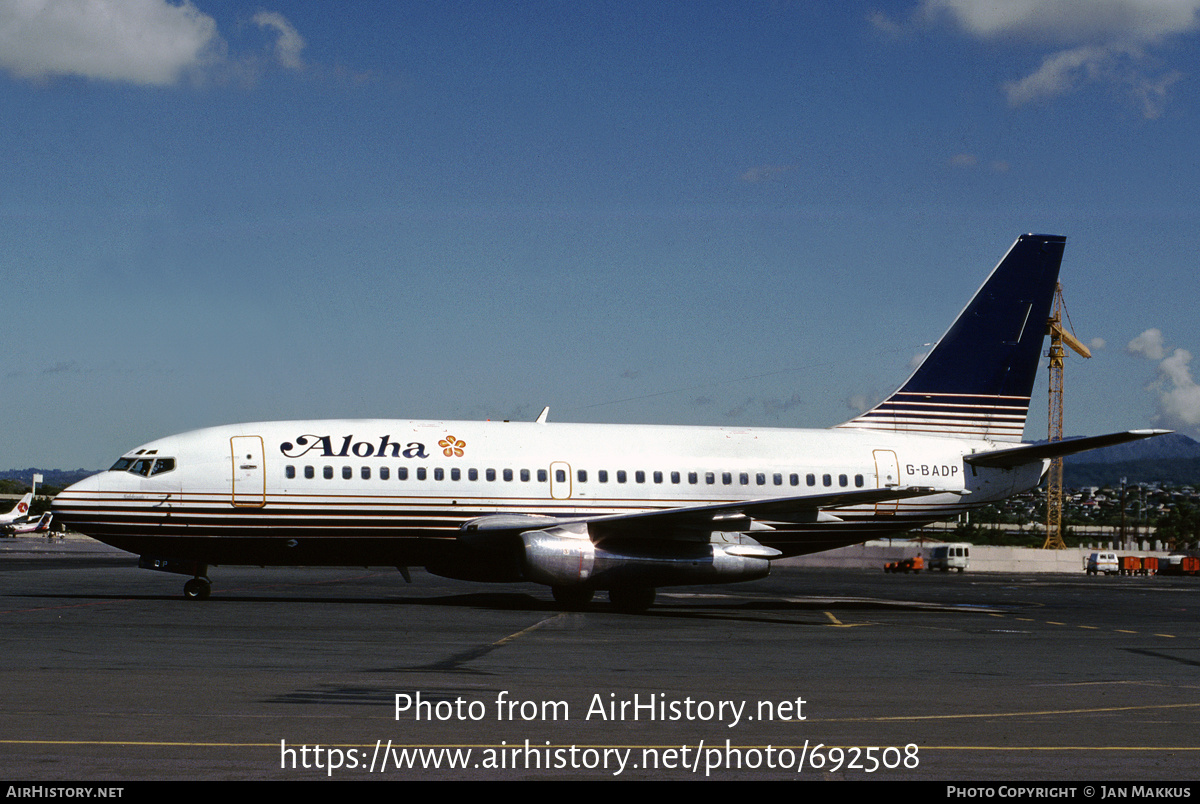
x=1178, y=393
x=1060, y=72
x=1070, y=21
x=1148, y=344
x=1180, y=403
x=1105, y=41
x=143, y=42
x=1096, y=344
x=289, y=44
x=146, y=42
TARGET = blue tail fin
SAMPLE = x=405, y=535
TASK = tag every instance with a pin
x=977, y=380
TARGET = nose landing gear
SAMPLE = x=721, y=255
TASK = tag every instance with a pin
x=197, y=589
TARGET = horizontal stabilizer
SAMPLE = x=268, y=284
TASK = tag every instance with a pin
x=1008, y=458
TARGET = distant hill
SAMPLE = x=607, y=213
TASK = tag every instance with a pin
x=50, y=477
x=1172, y=459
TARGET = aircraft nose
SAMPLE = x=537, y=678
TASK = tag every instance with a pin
x=75, y=494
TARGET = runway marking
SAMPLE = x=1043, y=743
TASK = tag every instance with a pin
x=454, y=663
x=1085, y=627
x=525, y=631
x=1033, y=713
x=839, y=624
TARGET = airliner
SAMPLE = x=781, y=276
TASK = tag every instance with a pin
x=20, y=511
x=42, y=525
x=584, y=507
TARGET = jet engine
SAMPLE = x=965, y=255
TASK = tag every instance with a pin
x=566, y=556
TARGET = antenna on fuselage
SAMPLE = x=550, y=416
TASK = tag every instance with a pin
x=545, y=414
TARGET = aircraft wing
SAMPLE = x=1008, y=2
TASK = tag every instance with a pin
x=1030, y=453
x=732, y=516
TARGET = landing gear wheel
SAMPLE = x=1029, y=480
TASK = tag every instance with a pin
x=632, y=599
x=197, y=589
x=572, y=598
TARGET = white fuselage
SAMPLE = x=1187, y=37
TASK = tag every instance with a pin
x=381, y=491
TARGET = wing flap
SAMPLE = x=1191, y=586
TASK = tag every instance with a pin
x=739, y=516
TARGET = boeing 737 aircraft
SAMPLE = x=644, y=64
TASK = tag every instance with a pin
x=586, y=507
x=20, y=511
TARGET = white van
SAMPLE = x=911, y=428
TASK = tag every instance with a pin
x=1102, y=562
x=946, y=557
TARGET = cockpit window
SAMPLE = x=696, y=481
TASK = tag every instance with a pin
x=146, y=467
x=162, y=465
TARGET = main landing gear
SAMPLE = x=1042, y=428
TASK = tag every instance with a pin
x=628, y=599
x=631, y=599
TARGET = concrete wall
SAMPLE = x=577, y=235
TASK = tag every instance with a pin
x=873, y=555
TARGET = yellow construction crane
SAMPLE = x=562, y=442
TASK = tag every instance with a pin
x=1054, y=485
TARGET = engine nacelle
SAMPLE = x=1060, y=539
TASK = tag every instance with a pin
x=566, y=556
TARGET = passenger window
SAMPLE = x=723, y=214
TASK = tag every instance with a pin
x=778, y=478
x=327, y=472
x=582, y=475
x=560, y=475
x=693, y=478
x=602, y=475
x=827, y=480
x=472, y=474
x=542, y=477
x=289, y=472
x=810, y=480
x=309, y=473
x=843, y=481
x=508, y=475
x=455, y=474
x=744, y=478
x=384, y=473
x=675, y=478
x=524, y=475
x=620, y=475
x=794, y=479
x=347, y=473
x=658, y=477
x=639, y=476
x=439, y=473
x=366, y=473
x=420, y=473
x=710, y=478
x=858, y=481
x=490, y=474
x=402, y=473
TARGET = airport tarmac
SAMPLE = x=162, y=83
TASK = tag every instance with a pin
x=110, y=675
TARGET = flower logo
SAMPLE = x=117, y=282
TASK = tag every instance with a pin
x=453, y=446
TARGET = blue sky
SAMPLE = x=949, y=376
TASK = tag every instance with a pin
x=697, y=213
